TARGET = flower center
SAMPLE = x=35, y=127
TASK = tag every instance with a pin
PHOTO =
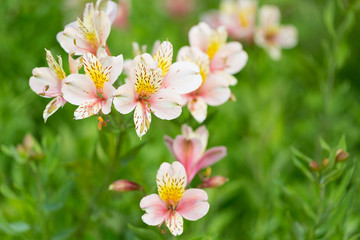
x=148, y=81
x=271, y=33
x=94, y=69
x=216, y=41
x=171, y=189
x=204, y=70
x=244, y=15
x=54, y=66
x=87, y=29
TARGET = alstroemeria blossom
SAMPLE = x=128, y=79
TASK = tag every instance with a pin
x=189, y=149
x=47, y=82
x=154, y=86
x=173, y=202
x=238, y=17
x=227, y=57
x=87, y=35
x=214, y=89
x=94, y=90
x=271, y=35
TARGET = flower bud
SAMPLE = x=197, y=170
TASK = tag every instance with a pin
x=325, y=162
x=314, y=166
x=216, y=181
x=101, y=123
x=232, y=98
x=28, y=142
x=124, y=186
x=341, y=155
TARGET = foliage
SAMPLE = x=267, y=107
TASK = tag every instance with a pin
x=308, y=101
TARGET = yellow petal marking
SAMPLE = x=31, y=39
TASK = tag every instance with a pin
x=171, y=189
x=216, y=41
x=245, y=14
x=87, y=30
x=148, y=81
x=54, y=66
x=203, y=63
x=164, y=57
x=271, y=33
x=94, y=69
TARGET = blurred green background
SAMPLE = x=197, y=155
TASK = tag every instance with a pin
x=309, y=100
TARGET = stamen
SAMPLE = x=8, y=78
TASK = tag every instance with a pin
x=171, y=189
x=54, y=66
x=148, y=81
x=88, y=31
x=216, y=41
x=94, y=69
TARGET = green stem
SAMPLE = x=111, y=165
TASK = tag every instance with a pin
x=104, y=185
x=40, y=201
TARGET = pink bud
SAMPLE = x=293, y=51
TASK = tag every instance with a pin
x=341, y=155
x=314, y=166
x=216, y=181
x=124, y=186
x=325, y=162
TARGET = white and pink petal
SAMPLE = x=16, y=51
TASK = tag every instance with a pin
x=215, y=90
x=156, y=210
x=53, y=106
x=87, y=109
x=79, y=88
x=230, y=58
x=142, y=119
x=45, y=83
x=198, y=108
x=108, y=95
x=210, y=157
x=165, y=104
x=175, y=223
x=193, y=204
x=125, y=98
x=183, y=77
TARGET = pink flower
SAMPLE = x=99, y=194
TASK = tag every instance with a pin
x=89, y=34
x=47, y=82
x=228, y=57
x=214, y=89
x=154, y=86
x=271, y=35
x=122, y=15
x=173, y=202
x=94, y=90
x=238, y=17
x=179, y=8
x=189, y=149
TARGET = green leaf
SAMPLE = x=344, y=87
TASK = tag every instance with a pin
x=342, y=143
x=304, y=169
x=131, y=154
x=324, y=145
x=300, y=155
x=329, y=17
x=52, y=207
x=63, y=234
x=143, y=233
x=341, y=189
x=333, y=175
x=7, y=192
x=19, y=227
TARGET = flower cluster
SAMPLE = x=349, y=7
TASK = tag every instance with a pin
x=217, y=61
x=238, y=17
x=154, y=84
